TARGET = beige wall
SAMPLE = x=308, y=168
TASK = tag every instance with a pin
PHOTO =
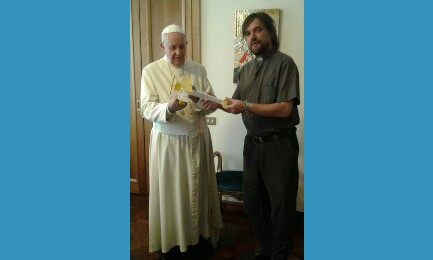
x=217, y=22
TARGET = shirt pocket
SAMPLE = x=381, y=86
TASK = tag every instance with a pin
x=269, y=92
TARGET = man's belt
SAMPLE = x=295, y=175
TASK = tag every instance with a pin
x=269, y=137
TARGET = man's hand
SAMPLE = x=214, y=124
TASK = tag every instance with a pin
x=234, y=106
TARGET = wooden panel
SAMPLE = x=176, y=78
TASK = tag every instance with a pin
x=192, y=29
x=164, y=12
x=195, y=31
x=146, y=33
x=137, y=160
x=132, y=106
x=146, y=58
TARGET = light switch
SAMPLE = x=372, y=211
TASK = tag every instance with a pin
x=211, y=120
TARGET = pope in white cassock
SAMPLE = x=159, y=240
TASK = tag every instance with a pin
x=183, y=197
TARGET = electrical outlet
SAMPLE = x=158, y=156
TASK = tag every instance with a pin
x=210, y=120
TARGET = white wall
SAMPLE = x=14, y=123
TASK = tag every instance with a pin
x=217, y=32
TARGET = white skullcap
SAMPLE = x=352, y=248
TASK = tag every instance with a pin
x=173, y=28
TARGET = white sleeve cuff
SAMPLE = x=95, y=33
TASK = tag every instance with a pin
x=168, y=114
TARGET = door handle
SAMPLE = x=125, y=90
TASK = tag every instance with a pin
x=138, y=106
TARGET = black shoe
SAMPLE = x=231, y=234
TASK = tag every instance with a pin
x=173, y=254
x=201, y=250
x=255, y=255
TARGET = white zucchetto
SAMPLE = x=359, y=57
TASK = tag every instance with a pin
x=173, y=28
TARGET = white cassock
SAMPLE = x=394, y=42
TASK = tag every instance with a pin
x=183, y=197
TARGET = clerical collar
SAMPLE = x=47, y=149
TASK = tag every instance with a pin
x=266, y=55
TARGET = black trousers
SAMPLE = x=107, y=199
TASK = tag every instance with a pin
x=270, y=187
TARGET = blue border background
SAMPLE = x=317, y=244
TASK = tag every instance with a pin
x=65, y=130
x=368, y=130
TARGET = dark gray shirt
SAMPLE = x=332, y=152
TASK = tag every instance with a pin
x=274, y=79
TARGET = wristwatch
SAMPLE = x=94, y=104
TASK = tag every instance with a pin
x=246, y=107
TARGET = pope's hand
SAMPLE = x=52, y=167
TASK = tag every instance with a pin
x=209, y=105
x=193, y=98
x=176, y=105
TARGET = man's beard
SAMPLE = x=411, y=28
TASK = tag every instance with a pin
x=261, y=50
